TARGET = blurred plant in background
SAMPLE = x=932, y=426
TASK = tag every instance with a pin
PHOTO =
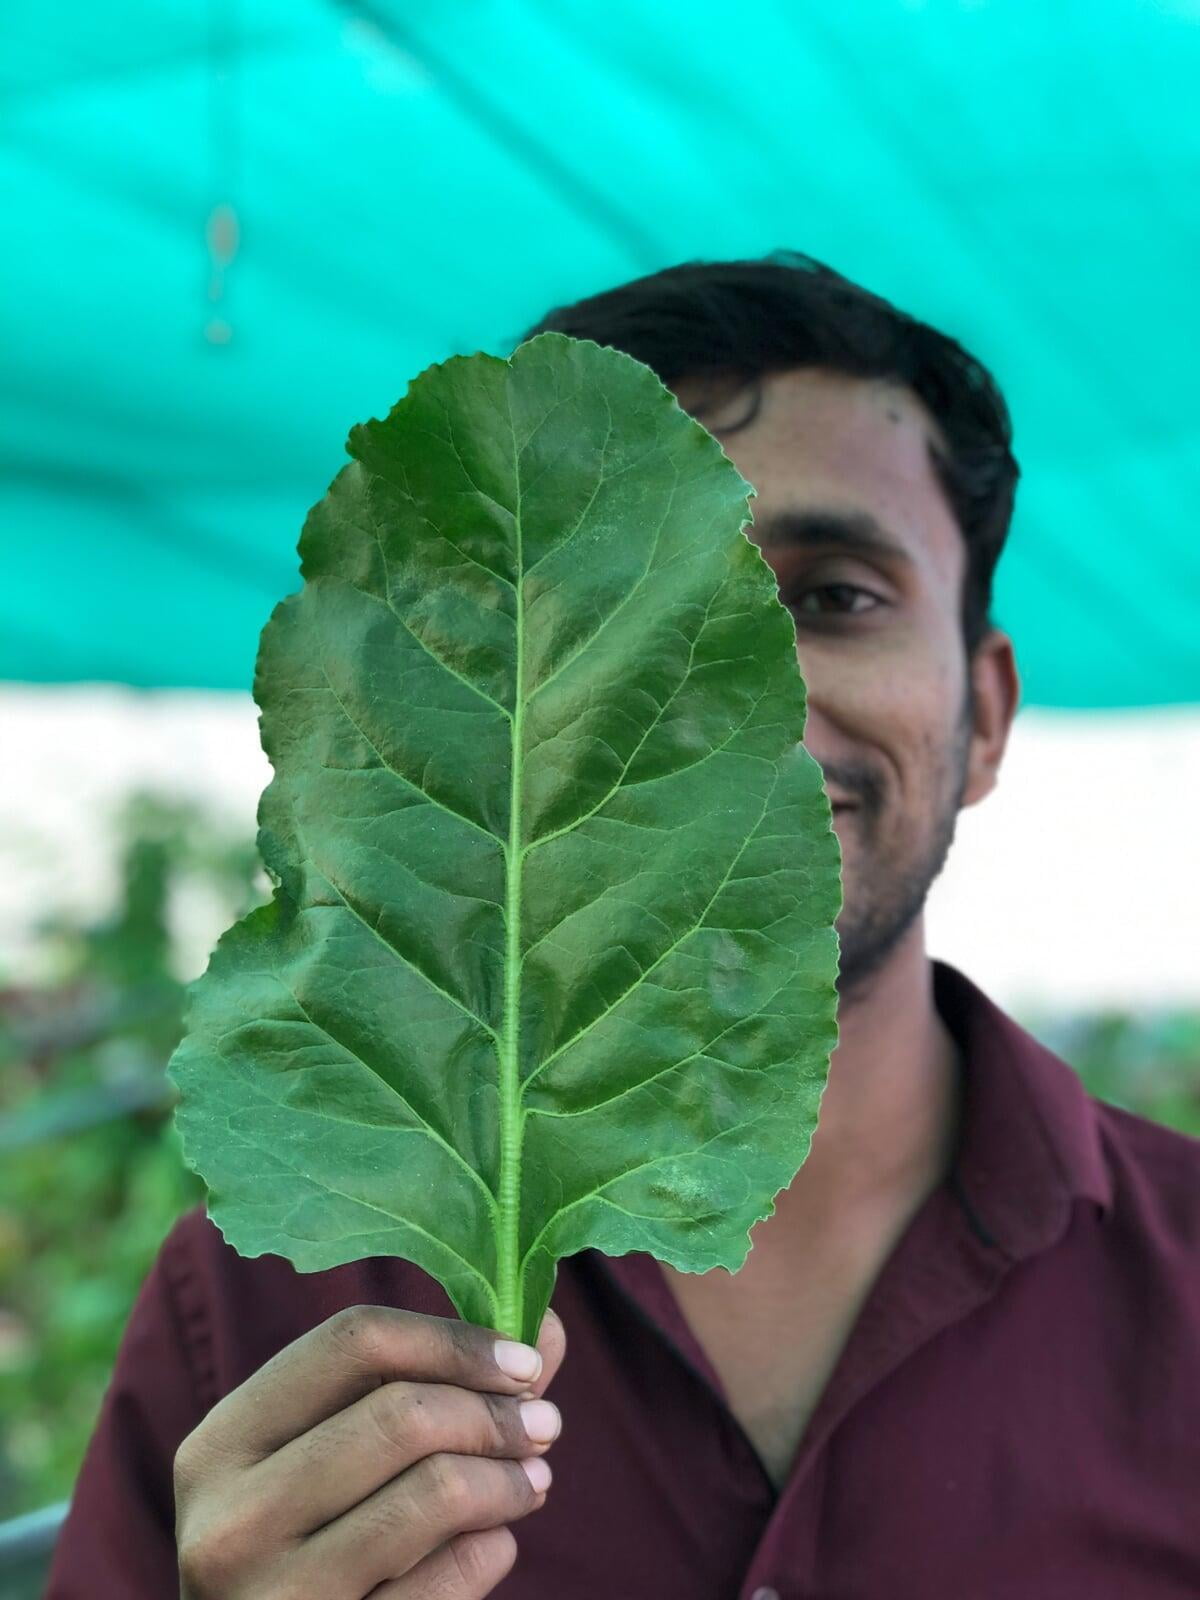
x=91, y=1177
x=1148, y=1064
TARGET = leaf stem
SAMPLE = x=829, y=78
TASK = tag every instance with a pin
x=509, y=1298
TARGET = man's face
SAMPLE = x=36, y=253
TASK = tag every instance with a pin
x=870, y=563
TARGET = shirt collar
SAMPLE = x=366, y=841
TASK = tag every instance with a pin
x=1030, y=1141
x=1029, y=1146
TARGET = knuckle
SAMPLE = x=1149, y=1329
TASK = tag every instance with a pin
x=185, y=1469
x=207, y=1567
x=469, y=1560
x=450, y=1492
x=358, y=1333
x=399, y=1413
x=479, y=1561
x=235, y=1531
x=193, y=1578
x=222, y=1551
x=195, y=1460
x=191, y=1559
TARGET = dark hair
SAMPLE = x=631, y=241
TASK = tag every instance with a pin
x=740, y=319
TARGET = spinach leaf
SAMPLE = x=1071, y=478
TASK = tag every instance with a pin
x=550, y=961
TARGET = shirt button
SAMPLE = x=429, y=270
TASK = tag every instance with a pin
x=765, y=1594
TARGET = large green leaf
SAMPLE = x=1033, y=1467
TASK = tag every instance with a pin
x=550, y=963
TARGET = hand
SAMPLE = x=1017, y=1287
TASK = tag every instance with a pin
x=381, y=1454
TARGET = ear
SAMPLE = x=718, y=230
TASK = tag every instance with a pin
x=996, y=692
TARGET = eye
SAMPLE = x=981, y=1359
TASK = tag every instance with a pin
x=847, y=600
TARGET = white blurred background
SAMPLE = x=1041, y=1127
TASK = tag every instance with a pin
x=1072, y=887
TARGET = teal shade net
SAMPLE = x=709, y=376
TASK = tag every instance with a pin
x=233, y=231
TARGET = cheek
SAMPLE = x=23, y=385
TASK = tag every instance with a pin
x=872, y=689
x=891, y=693
x=900, y=719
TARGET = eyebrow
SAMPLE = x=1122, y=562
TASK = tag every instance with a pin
x=856, y=531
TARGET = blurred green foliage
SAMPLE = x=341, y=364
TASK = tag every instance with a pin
x=91, y=1177
x=1148, y=1064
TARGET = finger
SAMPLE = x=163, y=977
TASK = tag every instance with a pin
x=346, y=1357
x=552, y=1347
x=467, y=1567
x=402, y=1523
x=312, y=1480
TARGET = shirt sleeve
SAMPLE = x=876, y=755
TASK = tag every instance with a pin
x=118, y=1540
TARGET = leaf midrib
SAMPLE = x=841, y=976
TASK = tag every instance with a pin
x=507, y=1220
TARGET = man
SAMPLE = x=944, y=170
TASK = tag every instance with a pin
x=961, y=1359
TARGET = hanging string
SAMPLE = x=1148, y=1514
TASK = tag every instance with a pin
x=222, y=230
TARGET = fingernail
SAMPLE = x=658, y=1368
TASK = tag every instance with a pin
x=538, y=1473
x=540, y=1420
x=517, y=1360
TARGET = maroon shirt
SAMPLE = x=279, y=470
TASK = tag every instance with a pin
x=1016, y=1415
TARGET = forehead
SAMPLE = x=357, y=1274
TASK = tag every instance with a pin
x=828, y=440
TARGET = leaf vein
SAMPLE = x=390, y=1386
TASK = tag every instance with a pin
x=403, y=959
x=425, y=1126
x=598, y=1193
x=661, y=713
x=387, y=766
x=673, y=1066
x=657, y=962
x=620, y=606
